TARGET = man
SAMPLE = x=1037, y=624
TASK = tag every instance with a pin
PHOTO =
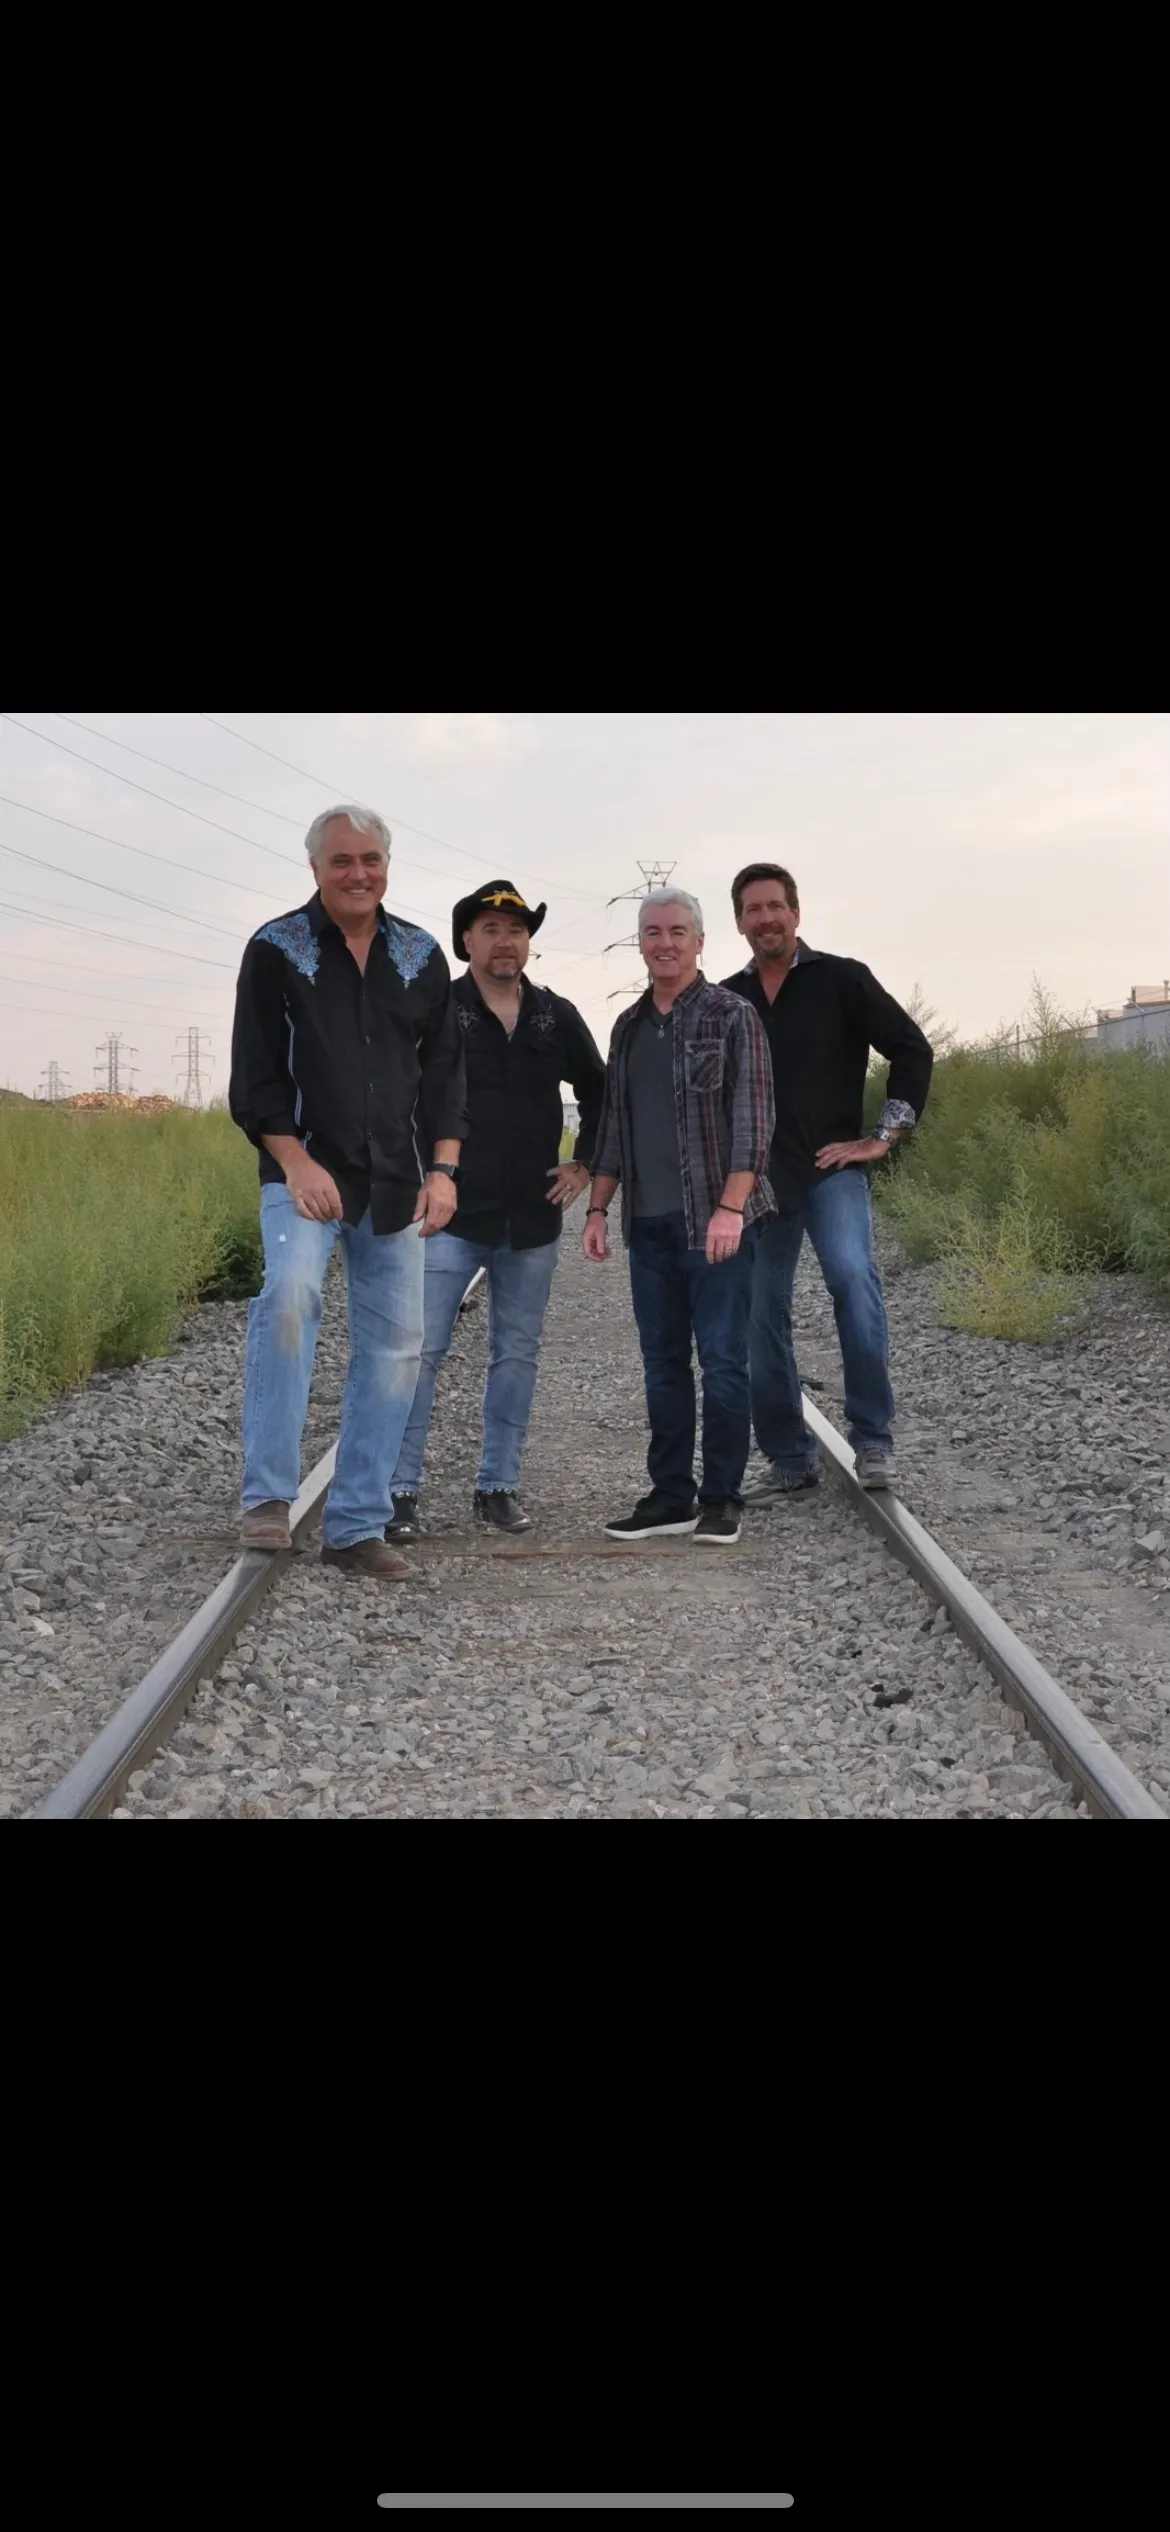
x=684, y=1131
x=520, y=1043
x=347, y=1074
x=821, y=1015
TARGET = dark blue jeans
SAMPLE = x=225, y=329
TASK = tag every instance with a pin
x=679, y=1300
x=835, y=1213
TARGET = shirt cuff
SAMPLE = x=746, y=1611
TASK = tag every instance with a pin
x=896, y=1112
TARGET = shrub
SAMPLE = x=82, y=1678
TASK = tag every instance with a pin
x=1031, y=1167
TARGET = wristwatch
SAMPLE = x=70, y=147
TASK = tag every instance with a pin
x=444, y=1169
x=882, y=1134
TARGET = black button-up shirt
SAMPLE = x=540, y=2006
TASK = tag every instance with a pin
x=365, y=1069
x=515, y=1114
x=820, y=1027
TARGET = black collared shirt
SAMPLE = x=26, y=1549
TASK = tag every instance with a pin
x=515, y=1112
x=366, y=1070
x=827, y=1015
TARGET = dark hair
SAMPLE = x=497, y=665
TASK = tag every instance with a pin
x=763, y=870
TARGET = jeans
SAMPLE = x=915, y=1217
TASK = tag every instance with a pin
x=835, y=1212
x=519, y=1281
x=385, y=1337
x=678, y=1297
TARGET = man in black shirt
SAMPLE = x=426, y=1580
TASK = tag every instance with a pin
x=347, y=1074
x=821, y=1015
x=520, y=1043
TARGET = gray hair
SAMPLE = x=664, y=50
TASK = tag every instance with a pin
x=670, y=897
x=366, y=821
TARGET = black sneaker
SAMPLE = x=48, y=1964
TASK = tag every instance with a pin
x=719, y=1524
x=404, y=1524
x=778, y=1482
x=497, y=1511
x=657, y=1516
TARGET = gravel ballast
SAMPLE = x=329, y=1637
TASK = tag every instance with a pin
x=799, y=1674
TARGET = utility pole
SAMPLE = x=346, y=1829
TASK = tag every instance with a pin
x=57, y=1083
x=190, y=1052
x=114, y=1052
x=654, y=875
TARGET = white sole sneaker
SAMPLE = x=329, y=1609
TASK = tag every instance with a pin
x=708, y=1541
x=656, y=1530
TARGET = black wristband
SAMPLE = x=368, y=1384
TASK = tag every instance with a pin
x=602, y=1209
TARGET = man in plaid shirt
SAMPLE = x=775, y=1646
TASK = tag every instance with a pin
x=685, y=1129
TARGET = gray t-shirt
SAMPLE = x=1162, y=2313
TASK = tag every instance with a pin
x=657, y=1184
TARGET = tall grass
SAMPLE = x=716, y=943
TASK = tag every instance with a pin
x=1029, y=1171
x=110, y=1226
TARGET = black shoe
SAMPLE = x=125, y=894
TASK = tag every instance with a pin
x=657, y=1516
x=498, y=1511
x=777, y=1482
x=404, y=1526
x=719, y=1524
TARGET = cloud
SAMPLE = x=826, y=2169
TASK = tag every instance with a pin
x=477, y=740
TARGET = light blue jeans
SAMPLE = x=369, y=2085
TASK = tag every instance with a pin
x=385, y=1278
x=519, y=1281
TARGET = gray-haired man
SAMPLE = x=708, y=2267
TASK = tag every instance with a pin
x=347, y=1074
x=685, y=1128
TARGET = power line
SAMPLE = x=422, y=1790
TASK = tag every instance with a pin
x=95, y=992
x=131, y=785
x=159, y=947
x=184, y=776
x=72, y=967
x=141, y=851
x=57, y=1083
x=426, y=868
x=177, y=913
x=427, y=837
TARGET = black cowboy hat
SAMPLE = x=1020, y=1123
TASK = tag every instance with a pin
x=499, y=897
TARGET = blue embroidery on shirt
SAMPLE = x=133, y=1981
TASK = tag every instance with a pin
x=293, y=935
x=409, y=947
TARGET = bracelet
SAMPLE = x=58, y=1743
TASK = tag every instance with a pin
x=736, y=1209
x=602, y=1209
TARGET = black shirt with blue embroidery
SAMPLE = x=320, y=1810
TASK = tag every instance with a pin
x=366, y=1070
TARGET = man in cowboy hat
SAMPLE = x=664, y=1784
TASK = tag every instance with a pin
x=520, y=1043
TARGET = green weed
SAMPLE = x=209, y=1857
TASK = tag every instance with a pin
x=111, y=1226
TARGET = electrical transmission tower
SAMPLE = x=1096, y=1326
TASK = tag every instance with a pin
x=114, y=1052
x=654, y=875
x=56, y=1083
x=193, y=1047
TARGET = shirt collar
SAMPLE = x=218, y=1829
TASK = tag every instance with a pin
x=800, y=957
x=320, y=922
x=687, y=995
x=467, y=988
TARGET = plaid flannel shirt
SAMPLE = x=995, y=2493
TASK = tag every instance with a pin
x=723, y=1104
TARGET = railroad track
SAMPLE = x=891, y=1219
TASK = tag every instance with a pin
x=93, y=1786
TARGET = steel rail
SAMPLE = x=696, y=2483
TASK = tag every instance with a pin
x=1075, y=1747
x=151, y=1711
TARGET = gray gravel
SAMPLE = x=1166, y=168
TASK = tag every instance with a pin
x=798, y=1675
x=118, y=1514
x=1045, y=1473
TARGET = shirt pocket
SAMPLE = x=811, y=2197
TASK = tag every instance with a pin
x=704, y=1065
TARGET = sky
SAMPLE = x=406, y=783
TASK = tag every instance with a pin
x=963, y=853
